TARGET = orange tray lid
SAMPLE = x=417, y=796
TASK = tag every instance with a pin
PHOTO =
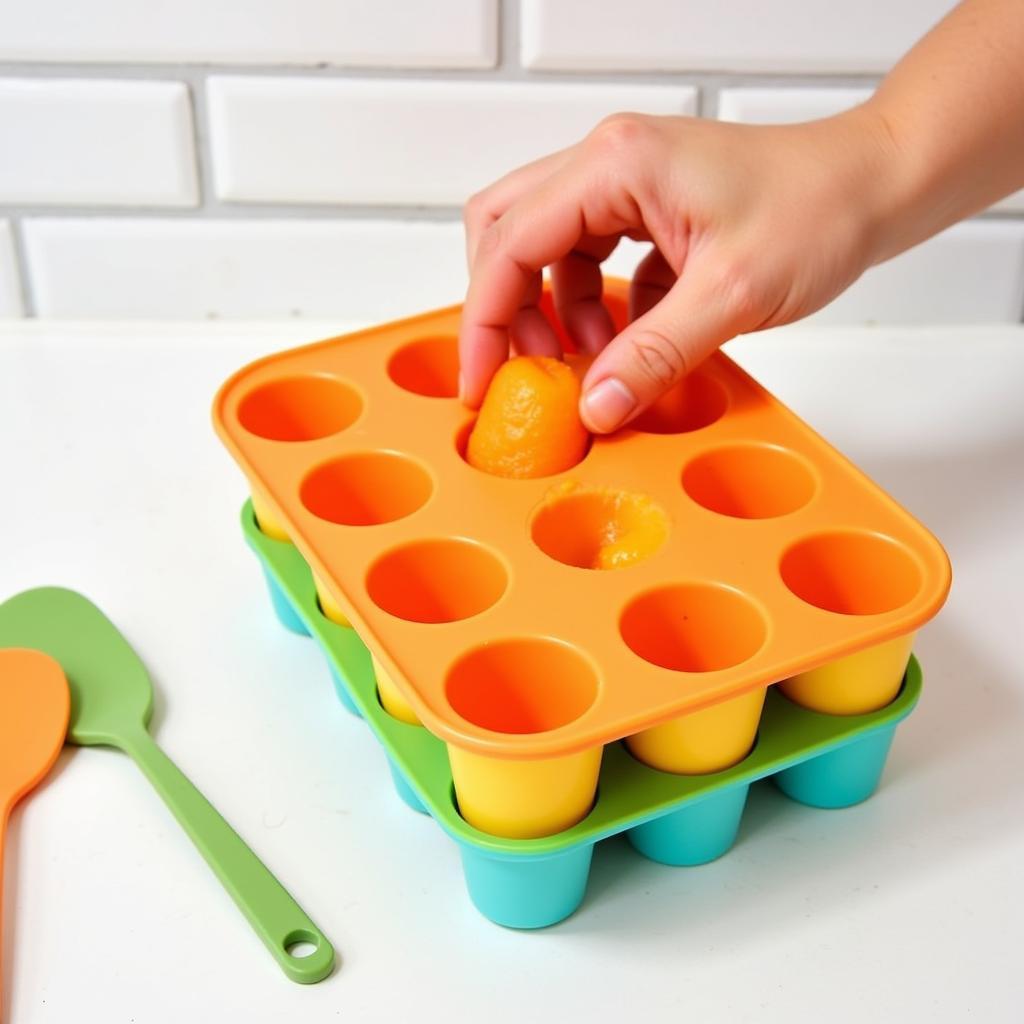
x=780, y=554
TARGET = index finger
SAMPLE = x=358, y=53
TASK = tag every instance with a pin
x=533, y=233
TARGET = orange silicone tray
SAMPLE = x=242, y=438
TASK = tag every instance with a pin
x=797, y=556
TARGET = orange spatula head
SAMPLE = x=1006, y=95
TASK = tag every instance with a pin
x=34, y=707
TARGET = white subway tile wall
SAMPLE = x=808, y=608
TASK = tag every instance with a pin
x=281, y=158
x=728, y=35
x=304, y=140
x=112, y=143
x=10, y=287
x=357, y=33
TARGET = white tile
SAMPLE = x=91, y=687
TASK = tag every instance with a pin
x=970, y=273
x=10, y=289
x=368, y=33
x=404, y=141
x=783, y=106
x=117, y=143
x=741, y=35
x=174, y=268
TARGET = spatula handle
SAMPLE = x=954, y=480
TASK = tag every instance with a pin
x=278, y=920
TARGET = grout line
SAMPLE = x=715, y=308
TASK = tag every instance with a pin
x=707, y=101
x=507, y=69
x=509, y=34
x=215, y=209
x=28, y=298
x=200, y=143
x=996, y=215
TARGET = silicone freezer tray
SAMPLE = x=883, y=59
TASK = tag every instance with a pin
x=820, y=760
x=355, y=445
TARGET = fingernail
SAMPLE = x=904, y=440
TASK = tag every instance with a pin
x=607, y=404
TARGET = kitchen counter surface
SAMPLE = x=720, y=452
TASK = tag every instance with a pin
x=907, y=907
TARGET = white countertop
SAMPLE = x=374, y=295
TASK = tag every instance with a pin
x=908, y=907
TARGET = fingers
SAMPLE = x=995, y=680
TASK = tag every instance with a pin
x=486, y=206
x=652, y=280
x=541, y=228
x=530, y=333
x=702, y=309
x=577, y=283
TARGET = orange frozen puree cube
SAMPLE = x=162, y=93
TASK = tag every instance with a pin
x=529, y=423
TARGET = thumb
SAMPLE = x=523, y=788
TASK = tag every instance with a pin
x=701, y=311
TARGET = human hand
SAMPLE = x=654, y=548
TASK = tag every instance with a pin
x=752, y=227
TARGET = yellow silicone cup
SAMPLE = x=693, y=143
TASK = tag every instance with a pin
x=856, y=684
x=268, y=523
x=524, y=799
x=328, y=605
x=519, y=687
x=391, y=699
x=703, y=741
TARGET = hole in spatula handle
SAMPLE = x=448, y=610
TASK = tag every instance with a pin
x=301, y=944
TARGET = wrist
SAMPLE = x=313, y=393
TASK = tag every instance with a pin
x=896, y=195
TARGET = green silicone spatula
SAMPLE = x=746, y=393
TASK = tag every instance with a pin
x=111, y=704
